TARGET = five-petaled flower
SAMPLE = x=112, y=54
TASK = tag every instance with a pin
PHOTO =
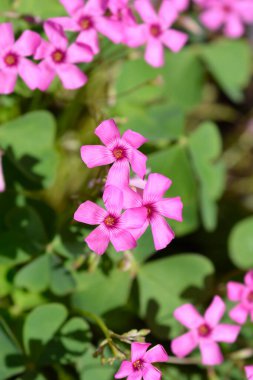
x=140, y=365
x=242, y=293
x=205, y=332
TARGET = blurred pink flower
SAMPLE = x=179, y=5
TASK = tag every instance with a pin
x=140, y=365
x=249, y=372
x=242, y=293
x=90, y=18
x=121, y=151
x=204, y=332
x=228, y=14
x=13, y=61
x=59, y=59
x=181, y=5
x=151, y=197
x=156, y=32
x=2, y=181
x=113, y=226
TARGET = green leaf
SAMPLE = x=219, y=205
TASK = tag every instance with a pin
x=241, y=244
x=75, y=334
x=90, y=368
x=62, y=281
x=44, y=9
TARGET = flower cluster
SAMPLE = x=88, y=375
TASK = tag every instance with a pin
x=144, y=203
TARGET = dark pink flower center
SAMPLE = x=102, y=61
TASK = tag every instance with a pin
x=250, y=297
x=150, y=210
x=86, y=23
x=110, y=221
x=58, y=56
x=118, y=153
x=204, y=330
x=11, y=59
x=138, y=365
x=108, y=12
x=155, y=30
x=227, y=8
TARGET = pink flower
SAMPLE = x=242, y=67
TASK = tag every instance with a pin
x=156, y=32
x=90, y=18
x=13, y=61
x=59, y=59
x=113, y=226
x=204, y=332
x=118, y=10
x=140, y=365
x=157, y=208
x=2, y=181
x=180, y=5
x=230, y=14
x=249, y=372
x=121, y=151
x=242, y=293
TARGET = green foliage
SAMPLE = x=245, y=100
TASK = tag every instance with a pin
x=241, y=244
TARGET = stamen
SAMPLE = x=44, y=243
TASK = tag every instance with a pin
x=250, y=297
x=204, y=330
x=155, y=30
x=86, y=23
x=138, y=364
x=11, y=59
x=110, y=221
x=58, y=56
x=118, y=153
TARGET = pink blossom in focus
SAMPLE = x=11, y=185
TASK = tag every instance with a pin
x=249, y=372
x=13, y=61
x=2, y=181
x=231, y=15
x=89, y=18
x=59, y=59
x=113, y=226
x=151, y=197
x=243, y=294
x=156, y=31
x=205, y=332
x=140, y=365
x=121, y=151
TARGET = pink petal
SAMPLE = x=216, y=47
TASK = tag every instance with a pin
x=131, y=198
x=138, y=162
x=154, y=54
x=234, y=27
x=29, y=72
x=151, y=373
x=95, y=6
x=174, y=40
x=235, y=291
x=134, y=139
x=210, y=352
x=90, y=38
x=122, y=240
x=27, y=43
x=90, y=213
x=7, y=82
x=138, y=350
x=167, y=13
x=188, y=316
x=72, y=6
x=125, y=370
x=119, y=174
x=161, y=231
x=249, y=278
x=66, y=23
x=170, y=208
x=215, y=311
x=71, y=76
x=245, y=10
x=111, y=29
x=2, y=181
x=184, y=344
x=146, y=11
x=98, y=240
x=157, y=185
x=43, y=50
x=249, y=372
x=225, y=333
x=133, y=218
x=181, y=5
x=138, y=232
x=7, y=35
x=107, y=131
x=56, y=35
x=239, y=314
x=78, y=53
x=156, y=354
x=135, y=36
x=136, y=375
x=46, y=76
x=96, y=155
x=212, y=18
x=251, y=316
x=113, y=200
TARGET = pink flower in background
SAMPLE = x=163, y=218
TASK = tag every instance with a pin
x=180, y=5
x=59, y=59
x=13, y=61
x=140, y=365
x=156, y=31
x=228, y=14
x=249, y=372
x=243, y=294
x=2, y=181
x=113, y=226
x=90, y=18
x=121, y=151
x=205, y=332
x=151, y=197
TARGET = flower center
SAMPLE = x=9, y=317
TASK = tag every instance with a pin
x=86, y=23
x=108, y=12
x=204, y=330
x=11, y=59
x=110, y=221
x=138, y=364
x=250, y=297
x=227, y=8
x=58, y=56
x=118, y=153
x=155, y=30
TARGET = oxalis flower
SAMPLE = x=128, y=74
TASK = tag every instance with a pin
x=150, y=194
x=119, y=151
x=13, y=61
x=249, y=372
x=59, y=59
x=113, y=226
x=140, y=365
x=2, y=181
x=156, y=31
x=205, y=332
x=242, y=293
